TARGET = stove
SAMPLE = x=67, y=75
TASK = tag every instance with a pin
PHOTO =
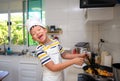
x=87, y=77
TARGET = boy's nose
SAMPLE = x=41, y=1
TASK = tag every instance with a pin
x=37, y=32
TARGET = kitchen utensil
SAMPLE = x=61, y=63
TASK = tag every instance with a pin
x=92, y=64
x=103, y=71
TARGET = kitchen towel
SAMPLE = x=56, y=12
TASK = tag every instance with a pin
x=103, y=54
x=108, y=60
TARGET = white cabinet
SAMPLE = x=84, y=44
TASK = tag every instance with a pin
x=5, y=65
x=9, y=64
x=99, y=15
x=71, y=73
x=21, y=68
x=30, y=70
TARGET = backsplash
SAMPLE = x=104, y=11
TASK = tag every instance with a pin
x=67, y=15
x=110, y=32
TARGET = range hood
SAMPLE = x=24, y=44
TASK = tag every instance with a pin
x=97, y=3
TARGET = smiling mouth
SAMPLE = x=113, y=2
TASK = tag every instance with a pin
x=40, y=36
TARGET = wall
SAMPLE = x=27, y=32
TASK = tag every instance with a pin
x=11, y=5
x=110, y=32
x=67, y=15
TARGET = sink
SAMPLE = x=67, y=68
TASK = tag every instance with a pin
x=16, y=53
x=2, y=53
x=12, y=53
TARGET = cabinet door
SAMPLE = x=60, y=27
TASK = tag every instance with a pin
x=99, y=15
x=29, y=72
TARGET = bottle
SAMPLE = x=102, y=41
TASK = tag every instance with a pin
x=9, y=51
x=74, y=51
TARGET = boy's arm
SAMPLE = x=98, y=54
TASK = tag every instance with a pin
x=58, y=67
x=68, y=55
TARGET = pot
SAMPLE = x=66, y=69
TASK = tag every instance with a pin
x=116, y=71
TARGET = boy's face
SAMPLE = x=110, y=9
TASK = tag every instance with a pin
x=39, y=34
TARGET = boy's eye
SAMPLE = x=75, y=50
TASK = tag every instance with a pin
x=33, y=34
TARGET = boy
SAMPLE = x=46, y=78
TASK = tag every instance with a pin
x=50, y=52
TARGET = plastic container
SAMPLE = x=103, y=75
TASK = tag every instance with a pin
x=9, y=51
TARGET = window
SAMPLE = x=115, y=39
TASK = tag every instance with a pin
x=16, y=31
x=3, y=29
x=33, y=8
x=16, y=28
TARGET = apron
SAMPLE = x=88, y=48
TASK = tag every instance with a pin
x=55, y=56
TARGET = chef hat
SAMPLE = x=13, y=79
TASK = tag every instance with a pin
x=32, y=22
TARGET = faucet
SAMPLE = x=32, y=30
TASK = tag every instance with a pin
x=4, y=51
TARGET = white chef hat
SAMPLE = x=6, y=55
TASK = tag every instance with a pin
x=32, y=22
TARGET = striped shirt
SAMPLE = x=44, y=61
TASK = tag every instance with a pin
x=41, y=51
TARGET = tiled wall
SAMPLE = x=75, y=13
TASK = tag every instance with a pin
x=110, y=32
x=67, y=15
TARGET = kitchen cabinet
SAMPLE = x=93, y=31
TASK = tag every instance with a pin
x=71, y=73
x=21, y=68
x=30, y=69
x=4, y=65
x=9, y=64
x=98, y=15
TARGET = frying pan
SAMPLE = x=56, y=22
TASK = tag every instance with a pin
x=94, y=66
x=101, y=67
x=109, y=69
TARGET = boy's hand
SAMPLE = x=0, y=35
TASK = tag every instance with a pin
x=78, y=61
x=83, y=55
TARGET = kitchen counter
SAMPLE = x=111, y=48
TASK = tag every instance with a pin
x=17, y=64
x=21, y=68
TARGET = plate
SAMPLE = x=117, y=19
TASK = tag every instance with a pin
x=78, y=66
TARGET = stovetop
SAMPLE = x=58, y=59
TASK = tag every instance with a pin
x=87, y=77
x=104, y=79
